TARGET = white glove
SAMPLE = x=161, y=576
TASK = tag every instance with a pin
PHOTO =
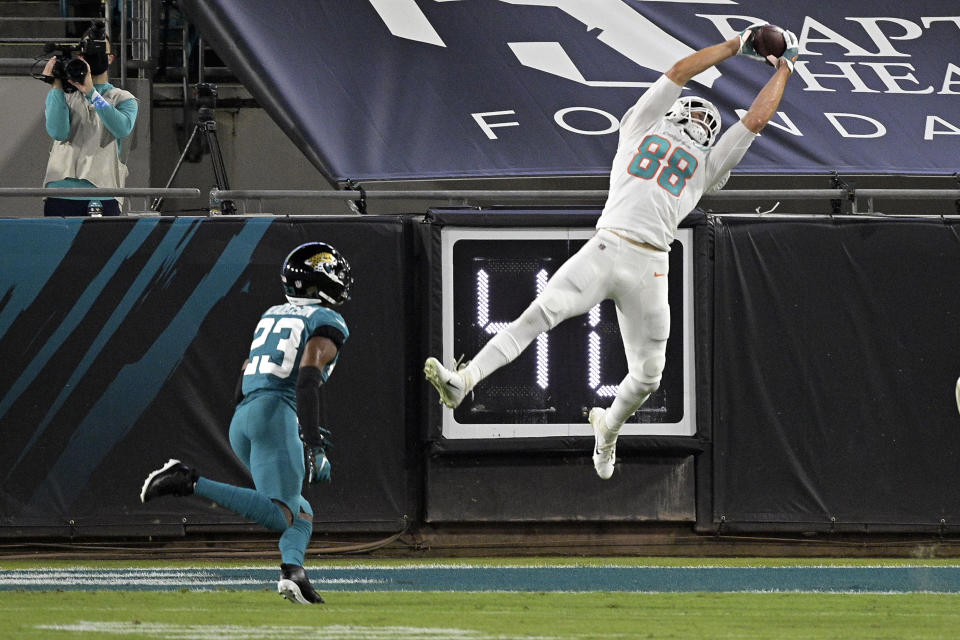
x=791, y=53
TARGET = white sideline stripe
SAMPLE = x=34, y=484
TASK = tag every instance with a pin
x=83, y=580
x=207, y=569
x=237, y=632
x=206, y=579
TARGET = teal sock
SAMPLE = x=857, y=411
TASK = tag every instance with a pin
x=294, y=541
x=246, y=502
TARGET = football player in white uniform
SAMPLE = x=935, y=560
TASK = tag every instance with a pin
x=669, y=153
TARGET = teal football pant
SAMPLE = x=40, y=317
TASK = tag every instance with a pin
x=264, y=434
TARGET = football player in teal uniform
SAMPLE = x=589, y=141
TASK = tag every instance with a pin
x=276, y=429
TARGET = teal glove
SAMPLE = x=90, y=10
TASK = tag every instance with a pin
x=315, y=445
x=318, y=466
x=746, y=42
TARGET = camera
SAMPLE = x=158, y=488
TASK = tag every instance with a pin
x=205, y=94
x=92, y=47
x=72, y=69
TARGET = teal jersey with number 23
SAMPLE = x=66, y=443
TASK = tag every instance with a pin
x=278, y=344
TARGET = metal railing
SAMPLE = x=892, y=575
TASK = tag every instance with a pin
x=128, y=192
x=52, y=192
x=29, y=19
x=358, y=197
x=139, y=39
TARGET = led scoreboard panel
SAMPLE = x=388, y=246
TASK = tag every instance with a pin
x=489, y=277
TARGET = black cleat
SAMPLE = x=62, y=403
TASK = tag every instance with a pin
x=295, y=587
x=172, y=479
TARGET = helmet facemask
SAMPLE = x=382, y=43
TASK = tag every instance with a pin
x=699, y=119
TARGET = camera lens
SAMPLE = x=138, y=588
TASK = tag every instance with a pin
x=76, y=70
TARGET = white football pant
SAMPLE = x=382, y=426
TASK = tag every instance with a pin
x=608, y=266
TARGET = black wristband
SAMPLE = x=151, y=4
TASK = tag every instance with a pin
x=310, y=405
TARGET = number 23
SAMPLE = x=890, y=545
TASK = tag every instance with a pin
x=288, y=346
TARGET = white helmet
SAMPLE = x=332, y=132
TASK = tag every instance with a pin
x=698, y=117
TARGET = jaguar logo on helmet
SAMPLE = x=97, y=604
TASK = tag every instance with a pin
x=316, y=261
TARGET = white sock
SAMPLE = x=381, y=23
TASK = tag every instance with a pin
x=609, y=435
x=506, y=345
x=500, y=350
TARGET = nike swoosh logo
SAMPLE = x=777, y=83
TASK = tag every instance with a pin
x=658, y=275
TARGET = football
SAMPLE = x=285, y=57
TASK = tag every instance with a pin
x=769, y=41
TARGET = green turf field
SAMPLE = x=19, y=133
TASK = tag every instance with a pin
x=228, y=614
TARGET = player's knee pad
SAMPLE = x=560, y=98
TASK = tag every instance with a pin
x=553, y=305
x=650, y=356
x=652, y=368
x=635, y=390
x=522, y=331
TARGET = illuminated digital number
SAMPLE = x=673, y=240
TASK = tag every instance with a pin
x=680, y=167
x=492, y=328
x=594, y=358
x=594, y=352
x=492, y=277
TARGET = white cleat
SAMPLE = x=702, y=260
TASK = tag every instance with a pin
x=295, y=586
x=604, y=455
x=449, y=384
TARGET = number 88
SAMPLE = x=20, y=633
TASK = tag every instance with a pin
x=681, y=165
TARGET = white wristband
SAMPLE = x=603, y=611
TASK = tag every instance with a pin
x=97, y=100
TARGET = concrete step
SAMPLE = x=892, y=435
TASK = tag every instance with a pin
x=50, y=29
x=30, y=8
x=25, y=51
x=41, y=19
x=29, y=19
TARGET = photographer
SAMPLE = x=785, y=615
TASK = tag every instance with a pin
x=88, y=119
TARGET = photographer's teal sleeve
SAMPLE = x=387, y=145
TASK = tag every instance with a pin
x=119, y=120
x=57, y=115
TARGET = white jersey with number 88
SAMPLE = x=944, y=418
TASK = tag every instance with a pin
x=659, y=173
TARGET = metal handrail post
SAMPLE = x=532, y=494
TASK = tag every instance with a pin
x=123, y=43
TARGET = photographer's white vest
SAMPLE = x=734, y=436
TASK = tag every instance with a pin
x=91, y=152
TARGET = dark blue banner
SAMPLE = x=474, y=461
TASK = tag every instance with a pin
x=376, y=89
x=122, y=341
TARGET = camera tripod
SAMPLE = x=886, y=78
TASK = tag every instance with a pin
x=207, y=125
